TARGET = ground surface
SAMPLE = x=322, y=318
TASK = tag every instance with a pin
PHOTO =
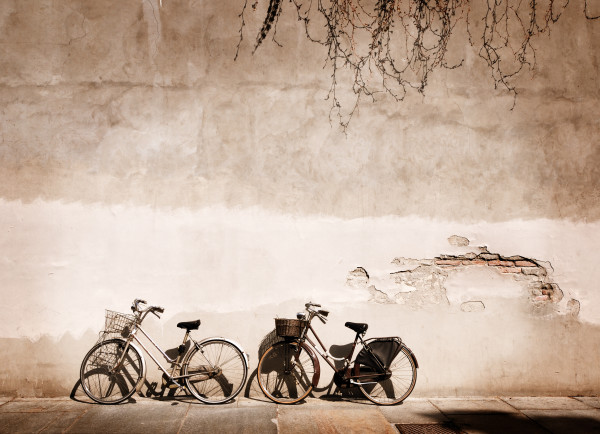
x=245, y=415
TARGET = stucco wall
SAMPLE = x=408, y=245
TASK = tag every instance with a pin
x=138, y=159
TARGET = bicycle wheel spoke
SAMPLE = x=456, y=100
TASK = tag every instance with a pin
x=285, y=373
x=221, y=369
x=104, y=385
x=399, y=384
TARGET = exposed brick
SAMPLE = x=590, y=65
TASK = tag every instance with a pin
x=557, y=294
x=510, y=269
x=533, y=271
x=497, y=263
x=475, y=262
x=525, y=264
x=542, y=298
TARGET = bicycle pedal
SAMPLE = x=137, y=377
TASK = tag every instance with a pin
x=170, y=384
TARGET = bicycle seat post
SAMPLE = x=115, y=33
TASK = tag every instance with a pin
x=181, y=348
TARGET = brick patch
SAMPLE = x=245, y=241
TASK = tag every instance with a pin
x=421, y=281
x=509, y=269
x=475, y=262
x=519, y=267
x=525, y=264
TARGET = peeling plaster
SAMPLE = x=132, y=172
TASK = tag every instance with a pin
x=456, y=240
x=472, y=306
x=424, y=282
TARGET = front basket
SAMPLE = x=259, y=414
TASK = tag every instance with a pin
x=289, y=328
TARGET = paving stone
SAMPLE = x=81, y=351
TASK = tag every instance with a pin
x=546, y=403
x=62, y=422
x=43, y=405
x=216, y=420
x=415, y=411
x=17, y=423
x=304, y=420
x=184, y=414
x=567, y=421
x=163, y=417
x=251, y=402
x=472, y=406
x=496, y=424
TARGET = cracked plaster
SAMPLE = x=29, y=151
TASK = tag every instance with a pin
x=423, y=282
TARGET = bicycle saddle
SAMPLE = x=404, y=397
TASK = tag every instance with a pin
x=358, y=327
x=189, y=325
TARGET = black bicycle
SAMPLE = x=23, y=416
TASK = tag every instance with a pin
x=385, y=369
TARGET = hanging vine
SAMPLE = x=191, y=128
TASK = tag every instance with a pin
x=393, y=46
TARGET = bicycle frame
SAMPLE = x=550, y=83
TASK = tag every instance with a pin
x=176, y=363
x=345, y=372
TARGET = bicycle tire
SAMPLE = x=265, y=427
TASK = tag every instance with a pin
x=399, y=386
x=219, y=371
x=99, y=380
x=286, y=372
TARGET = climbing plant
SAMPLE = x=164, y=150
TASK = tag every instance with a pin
x=393, y=46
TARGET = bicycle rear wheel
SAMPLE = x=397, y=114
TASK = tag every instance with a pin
x=396, y=388
x=105, y=383
x=285, y=373
x=217, y=371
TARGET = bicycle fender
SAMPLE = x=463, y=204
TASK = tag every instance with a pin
x=232, y=342
x=411, y=355
x=311, y=353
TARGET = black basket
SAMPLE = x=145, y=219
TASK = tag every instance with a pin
x=289, y=328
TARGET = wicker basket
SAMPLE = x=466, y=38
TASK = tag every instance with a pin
x=118, y=322
x=289, y=328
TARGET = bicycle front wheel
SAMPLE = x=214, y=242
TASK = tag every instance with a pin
x=106, y=382
x=285, y=373
x=215, y=371
x=396, y=388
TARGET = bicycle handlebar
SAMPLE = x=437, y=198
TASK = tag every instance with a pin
x=321, y=314
x=154, y=309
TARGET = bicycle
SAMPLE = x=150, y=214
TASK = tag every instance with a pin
x=213, y=370
x=385, y=369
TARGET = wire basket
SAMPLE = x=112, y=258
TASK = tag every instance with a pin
x=118, y=323
x=289, y=328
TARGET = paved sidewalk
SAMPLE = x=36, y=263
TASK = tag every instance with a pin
x=247, y=415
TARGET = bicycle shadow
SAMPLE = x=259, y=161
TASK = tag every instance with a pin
x=78, y=395
x=149, y=389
